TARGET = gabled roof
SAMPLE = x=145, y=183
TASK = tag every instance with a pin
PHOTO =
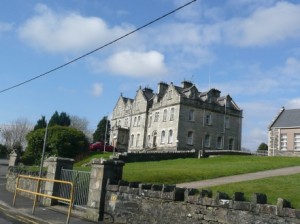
x=287, y=119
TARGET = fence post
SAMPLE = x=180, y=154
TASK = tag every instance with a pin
x=14, y=158
x=101, y=171
x=54, y=166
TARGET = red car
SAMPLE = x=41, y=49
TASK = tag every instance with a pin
x=99, y=146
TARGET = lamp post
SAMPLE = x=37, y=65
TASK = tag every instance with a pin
x=43, y=153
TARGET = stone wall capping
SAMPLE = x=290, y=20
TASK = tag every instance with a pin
x=282, y=204
x=206, y=193
x=238, y=196
x=102, y=161
x=259, y=198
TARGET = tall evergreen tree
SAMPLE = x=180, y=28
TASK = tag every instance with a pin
x=61, y=119
x=64, y=119
x=102, y=127
x=54, y=120
x=41, y=123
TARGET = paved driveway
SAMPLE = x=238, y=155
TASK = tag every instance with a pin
x=242, y=177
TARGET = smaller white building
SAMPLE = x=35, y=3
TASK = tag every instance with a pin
x=284, y=134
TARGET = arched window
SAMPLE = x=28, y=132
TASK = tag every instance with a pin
x=137, y=140
x=163, y=137
x=170, y=137
x=131, y=140
x=148, y=141
x=138, y=121
x=172, y=114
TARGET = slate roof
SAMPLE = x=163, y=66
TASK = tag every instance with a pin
x=287, y=119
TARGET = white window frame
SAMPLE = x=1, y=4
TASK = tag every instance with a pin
x=297, y=141
x=208, y=119
x=283, y=142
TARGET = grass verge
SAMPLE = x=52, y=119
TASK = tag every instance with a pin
x=286, y=187
x=187, y=170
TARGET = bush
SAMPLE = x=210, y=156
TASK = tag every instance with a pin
x=3, y=151
x=61, y=141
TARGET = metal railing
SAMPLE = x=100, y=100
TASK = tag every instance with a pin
x=37, y=190
x=81, y=180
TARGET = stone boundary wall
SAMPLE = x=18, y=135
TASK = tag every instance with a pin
x=154, y=155
x=27, y=184
x=144, y=156
x=148, y=203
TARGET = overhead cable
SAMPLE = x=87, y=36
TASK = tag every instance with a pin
x=97, y=49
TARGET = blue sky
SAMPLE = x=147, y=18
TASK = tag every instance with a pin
x=249, y=49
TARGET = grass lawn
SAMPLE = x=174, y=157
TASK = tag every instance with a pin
x=186, y=170
x=286, y=187
x=92, y=155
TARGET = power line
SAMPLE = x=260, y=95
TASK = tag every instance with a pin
x=97, y=49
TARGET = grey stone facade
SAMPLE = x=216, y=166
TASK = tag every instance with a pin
x=176, y=118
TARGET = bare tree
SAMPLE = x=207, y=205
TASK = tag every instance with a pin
x=14, y=134
x=81, y=124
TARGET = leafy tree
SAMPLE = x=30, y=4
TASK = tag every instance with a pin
x=61, y=119
x=41, y=123
x=102, y=128
x=61, y=141
x=262, y=147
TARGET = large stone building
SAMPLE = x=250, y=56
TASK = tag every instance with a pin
x=176, y=118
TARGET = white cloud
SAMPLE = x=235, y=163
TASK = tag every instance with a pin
x=293, y=104
x=137, y=64
x=265, y=26
x=97, y=89
x=67, y=32
x=292, y=67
